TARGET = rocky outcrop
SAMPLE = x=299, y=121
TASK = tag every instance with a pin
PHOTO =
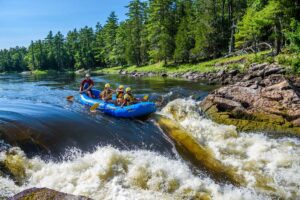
x=222, y=77
x=26, y=73
x=82, y=71
x=263, y=100
x=45, y=194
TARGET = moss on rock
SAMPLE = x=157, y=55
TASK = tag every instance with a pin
x=254, y=122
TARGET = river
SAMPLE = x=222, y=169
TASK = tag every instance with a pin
x=176, y=153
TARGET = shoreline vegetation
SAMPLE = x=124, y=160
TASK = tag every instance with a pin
x=240, y=63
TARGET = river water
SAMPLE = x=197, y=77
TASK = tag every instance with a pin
x=46, y=141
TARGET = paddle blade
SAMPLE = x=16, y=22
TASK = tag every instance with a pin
x=70, y=98
x=94, y=107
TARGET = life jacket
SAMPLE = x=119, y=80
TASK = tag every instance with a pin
x=120, y=94
x=106, y=93
x=85, y=84
x=129, y=98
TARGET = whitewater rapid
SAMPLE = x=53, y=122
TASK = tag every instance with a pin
x=270, y=165
x=108, y=173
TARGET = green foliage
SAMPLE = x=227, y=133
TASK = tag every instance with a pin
x=184, y=40
x=109, y=37
x=255, y=24
x=13, y=59
x=167, y=31
x=293, y=36
x=136, y=46
x=160, y=30
x=292, y=60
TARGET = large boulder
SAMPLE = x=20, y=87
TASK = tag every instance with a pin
x=45, y=194
x=265, y=100
x=80, y=71
x=26, y=73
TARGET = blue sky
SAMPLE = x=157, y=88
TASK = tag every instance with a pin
x=24, y=20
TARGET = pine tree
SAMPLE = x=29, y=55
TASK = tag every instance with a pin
x=85, y=56
x=99, y=47
x=136, y=24
x=72, y=48
x=109, y=37
x=59, y=51
x=160, y=30
x=184, y=40
x=49, y=49
x=121, y=44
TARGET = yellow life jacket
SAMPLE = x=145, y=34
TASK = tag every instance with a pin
x=120, y=94
x=107, y=94
x=129, y=98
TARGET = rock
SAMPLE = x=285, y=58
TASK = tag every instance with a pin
x=123, y=72
x=164, y=75
x=233, y=72
x=296, y=122
x=45, y=194
x=188, y=74
x=151, y=74
x=255, y=67
x=274, y=70
x=80, y=71
x=269, y=104
x=221, y=73
x=26, y=73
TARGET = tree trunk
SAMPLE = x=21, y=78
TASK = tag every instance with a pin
x=278, y=37
x=297, y=9
x=232, y=38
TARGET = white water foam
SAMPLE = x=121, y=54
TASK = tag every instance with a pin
x=271, y=166
x=108, y=173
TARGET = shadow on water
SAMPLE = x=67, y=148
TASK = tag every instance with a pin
x=45, y=130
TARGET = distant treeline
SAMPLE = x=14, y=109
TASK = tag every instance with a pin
x=181, y=31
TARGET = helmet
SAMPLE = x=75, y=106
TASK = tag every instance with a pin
x=87, y=75
x=121, y=87
x=128, y=89
x=107, y=85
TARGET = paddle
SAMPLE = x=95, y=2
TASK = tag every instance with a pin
x=70, y=98
x=94, y=107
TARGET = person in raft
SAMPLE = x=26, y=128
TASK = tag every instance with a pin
x=120, y=95
x=86, y=86
x=129, y=99
x=106, y=94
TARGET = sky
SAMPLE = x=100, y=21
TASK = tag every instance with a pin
x=24, y=20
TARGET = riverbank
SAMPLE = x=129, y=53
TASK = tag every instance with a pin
x=218, y=71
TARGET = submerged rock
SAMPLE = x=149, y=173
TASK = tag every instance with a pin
x=265, y=100
x=45, y=194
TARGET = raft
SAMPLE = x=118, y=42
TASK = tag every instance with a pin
x=132, y=111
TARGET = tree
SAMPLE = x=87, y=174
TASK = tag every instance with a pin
x=72, y=48
x=84, y=57
x=49, y=49
x=99, y=47
x=121, y=44
x=109, y=37
x=262, y=25
x=135, y=26
x=184, y=40
x=160, y=30
x=59, y=51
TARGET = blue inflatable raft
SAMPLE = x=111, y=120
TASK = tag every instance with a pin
x=136, y=110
